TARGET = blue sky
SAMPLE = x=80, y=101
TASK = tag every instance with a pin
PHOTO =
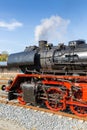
x=24, y=22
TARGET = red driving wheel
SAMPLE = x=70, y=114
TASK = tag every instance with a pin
x=55, y=102
x=79, y=110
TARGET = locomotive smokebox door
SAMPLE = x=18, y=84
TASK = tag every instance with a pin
x=29, y=95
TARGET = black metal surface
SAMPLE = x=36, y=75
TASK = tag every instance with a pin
x=42, y=44
x=22, y=58
x=11, y=95
x=46, y=57
x=29, y=95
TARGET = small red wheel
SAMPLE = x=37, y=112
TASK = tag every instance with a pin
x=56, y=99
x=20, y=98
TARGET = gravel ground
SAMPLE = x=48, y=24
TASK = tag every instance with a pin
x=18, y=118
x=6, y=124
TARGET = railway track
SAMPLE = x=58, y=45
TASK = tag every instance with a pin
x=3, y=82
x=4, y=77
x=4, y=100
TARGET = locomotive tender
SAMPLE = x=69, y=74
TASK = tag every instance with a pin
x=54, y=76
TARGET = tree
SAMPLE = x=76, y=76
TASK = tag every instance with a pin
x=4, y=56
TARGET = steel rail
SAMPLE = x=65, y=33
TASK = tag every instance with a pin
x=4, y=100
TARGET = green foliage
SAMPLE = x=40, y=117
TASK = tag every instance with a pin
x=4, y=56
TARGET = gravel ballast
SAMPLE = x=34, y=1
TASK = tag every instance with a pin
x=18, y=118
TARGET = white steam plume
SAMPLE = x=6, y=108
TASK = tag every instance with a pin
x=51, y=29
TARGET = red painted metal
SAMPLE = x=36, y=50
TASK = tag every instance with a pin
x=54, y=105
x=78, y=106
x=20, y=98
x=63, y=83
x=78, y=109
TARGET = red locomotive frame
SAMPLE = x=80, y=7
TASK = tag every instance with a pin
x=63, y=91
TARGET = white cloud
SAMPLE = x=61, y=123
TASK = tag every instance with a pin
x=53, y=28
x=10, y=26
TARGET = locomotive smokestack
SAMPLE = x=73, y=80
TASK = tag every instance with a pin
x=42, y=44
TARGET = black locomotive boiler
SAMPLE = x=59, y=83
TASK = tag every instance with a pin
x=54, y=76
x=47, y=58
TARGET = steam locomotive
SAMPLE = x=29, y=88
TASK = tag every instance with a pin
x=70, y=59
x=53, y=76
